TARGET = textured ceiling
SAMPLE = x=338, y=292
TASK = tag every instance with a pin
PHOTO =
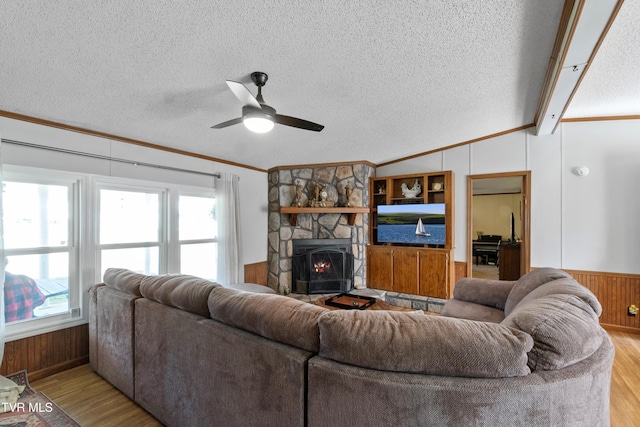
x=386, y=79
x=612, y=85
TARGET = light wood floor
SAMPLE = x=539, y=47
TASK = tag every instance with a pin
x=485, y=271
x=91, y=401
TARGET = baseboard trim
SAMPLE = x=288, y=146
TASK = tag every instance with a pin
x=618, y=328
x=46, y=372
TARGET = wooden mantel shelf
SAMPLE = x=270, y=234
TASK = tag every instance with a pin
x=294, y=211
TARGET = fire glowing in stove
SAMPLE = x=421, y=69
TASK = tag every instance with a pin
x=322, y=267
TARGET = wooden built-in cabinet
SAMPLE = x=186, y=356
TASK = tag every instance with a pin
x=437, y=272
x=410, y=270
x=380, y=267
x=509, y=268
x=405, y=271
x=436, y=187
x=421, y=269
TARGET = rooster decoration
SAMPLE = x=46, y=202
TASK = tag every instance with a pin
x=411, y=192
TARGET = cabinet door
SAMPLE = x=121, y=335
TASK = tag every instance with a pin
x=380, y=267
x=405, y=270
x=434, y=274
x=509, y=262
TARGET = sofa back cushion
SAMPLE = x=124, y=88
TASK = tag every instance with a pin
x=124, y=280
x=563, y=286
x=529, y=282
x=564, y=325
x=276, y=317
x=185, y=292
x=417, y=343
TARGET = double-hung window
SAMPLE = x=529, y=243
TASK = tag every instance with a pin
x=40, y=232
x=157, y=230
x=131, y=231
x=63, y=230
x=197, y=235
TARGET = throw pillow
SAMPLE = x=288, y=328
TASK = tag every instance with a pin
x=9, y=393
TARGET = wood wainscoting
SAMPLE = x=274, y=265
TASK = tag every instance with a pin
x=46, y=354
x=616, y=292
x=460, y=270
x=256, y=273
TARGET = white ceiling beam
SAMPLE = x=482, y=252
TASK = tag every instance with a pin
x=583, y=27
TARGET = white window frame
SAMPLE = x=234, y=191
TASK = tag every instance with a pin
x=175, y=232
x=84, y=253
x=169, y=252
x=76, y=184
x=162, y=242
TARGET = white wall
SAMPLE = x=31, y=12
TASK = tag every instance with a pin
x=253, y=184
x=601, y=215
x=584, y=223
x=492, y=214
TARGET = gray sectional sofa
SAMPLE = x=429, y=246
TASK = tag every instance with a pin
x=191, y=352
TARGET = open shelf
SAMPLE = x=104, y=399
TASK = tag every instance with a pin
x=435, y=187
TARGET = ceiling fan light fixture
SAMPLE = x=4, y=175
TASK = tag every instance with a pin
x=258, y=123
x=257, y=116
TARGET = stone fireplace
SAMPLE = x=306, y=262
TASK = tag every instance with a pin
x=321, y=226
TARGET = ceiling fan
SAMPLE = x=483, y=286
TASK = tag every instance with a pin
x=258, y=116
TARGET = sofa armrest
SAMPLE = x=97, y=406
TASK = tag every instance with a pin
x=492, y=293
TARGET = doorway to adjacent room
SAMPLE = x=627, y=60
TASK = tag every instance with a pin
x=498, y=225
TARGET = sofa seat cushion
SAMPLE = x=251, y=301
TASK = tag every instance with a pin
x=416, y=343
x=189, y=293
x=124, y=280
x=472, y=311
x=564, y=328
x=276, y=317
x=529, y=282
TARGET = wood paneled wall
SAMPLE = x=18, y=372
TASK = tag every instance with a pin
x=46, y=354
x=461, y=270
x=616, y=292
x=256, y=273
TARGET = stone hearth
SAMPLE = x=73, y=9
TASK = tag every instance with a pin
x=282, y=189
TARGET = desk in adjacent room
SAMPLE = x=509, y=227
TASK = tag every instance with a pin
x=509, y=261
x=486, y=249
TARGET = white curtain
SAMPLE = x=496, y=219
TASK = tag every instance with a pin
x=228, y=214
x=2, y=331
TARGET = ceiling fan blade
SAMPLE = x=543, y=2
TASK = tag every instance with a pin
x=243, y=94
x=298, y=123
x=227, y=123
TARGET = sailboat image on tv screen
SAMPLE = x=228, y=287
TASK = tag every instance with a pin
x=420, y=231
x=412, y=224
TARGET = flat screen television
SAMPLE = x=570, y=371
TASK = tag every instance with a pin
x=418, y=224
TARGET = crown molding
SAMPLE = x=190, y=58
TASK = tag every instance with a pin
x=77, y=129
